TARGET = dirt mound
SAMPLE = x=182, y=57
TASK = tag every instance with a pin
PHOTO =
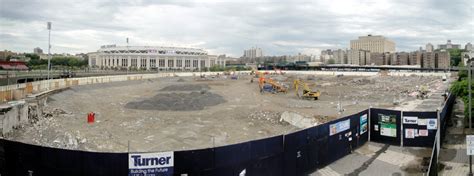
x=186, y=87
x=178, y=101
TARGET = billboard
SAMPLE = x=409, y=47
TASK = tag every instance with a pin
x=150, y=164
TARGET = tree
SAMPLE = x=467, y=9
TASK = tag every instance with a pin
x=32, y=56
x=455, y=55
x=331, y=61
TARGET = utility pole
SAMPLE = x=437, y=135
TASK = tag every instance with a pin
x=470, y=111
x=49, y=50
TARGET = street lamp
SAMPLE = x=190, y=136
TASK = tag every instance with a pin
x=469, y=64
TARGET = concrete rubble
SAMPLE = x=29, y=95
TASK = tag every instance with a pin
x=298, y=120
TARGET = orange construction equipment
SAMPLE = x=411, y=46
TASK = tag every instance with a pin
x=278, y=87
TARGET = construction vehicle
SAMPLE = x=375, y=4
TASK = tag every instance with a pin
x=277, y=86
x=307, y=92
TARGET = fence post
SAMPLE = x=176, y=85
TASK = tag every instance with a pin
x=438, y=143
x=401, y=128
x=370, y=127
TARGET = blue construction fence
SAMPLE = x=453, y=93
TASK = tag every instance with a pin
x=298, y=153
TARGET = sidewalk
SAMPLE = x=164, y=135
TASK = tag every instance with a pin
x=379, y=159
x=453, y=158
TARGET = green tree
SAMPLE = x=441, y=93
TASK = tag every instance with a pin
x=331, y=61
x=455, y=56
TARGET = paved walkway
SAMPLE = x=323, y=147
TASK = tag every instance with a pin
x=379, y=159
x=452, y=157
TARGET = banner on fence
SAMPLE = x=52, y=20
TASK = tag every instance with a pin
x=339, y=127
x=142, y=164
x=363, y=124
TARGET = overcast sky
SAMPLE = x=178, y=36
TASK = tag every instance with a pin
x=229, y=27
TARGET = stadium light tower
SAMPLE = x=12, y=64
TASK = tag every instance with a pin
x=49, y=49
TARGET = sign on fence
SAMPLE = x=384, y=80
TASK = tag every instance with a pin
x=410, y=120
x=339, y=127
x=432, y=124
x=156, y=164
x=388, y=125
x=363, y=124
x=470, y=144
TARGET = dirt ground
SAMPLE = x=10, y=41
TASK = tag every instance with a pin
x=212, y=112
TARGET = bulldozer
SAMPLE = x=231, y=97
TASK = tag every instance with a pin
x=307, y=92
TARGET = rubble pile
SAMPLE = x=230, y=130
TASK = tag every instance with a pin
x=269, y=116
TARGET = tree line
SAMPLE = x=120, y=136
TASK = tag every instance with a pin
x=57, y=62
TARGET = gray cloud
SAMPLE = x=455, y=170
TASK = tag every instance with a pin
x=279, y=27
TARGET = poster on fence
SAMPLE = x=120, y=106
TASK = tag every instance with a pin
x=339, y=127
x=422, y=122
x=156, y=164
x=363, y=124
x=422, y=132
x=432, y=124
x=409, y=133
x=388, y=125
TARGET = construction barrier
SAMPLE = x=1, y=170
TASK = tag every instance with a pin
x=298, y=153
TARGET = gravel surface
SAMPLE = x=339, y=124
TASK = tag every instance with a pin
x=178, y=101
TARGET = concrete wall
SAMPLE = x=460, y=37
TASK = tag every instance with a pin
x=15, y=114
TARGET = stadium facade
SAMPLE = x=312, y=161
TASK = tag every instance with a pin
x=152, y=57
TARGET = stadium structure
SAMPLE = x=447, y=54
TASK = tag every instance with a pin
x=153, y=57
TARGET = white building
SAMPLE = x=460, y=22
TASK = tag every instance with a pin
x=468, y=47
x=253, y=53
x=152, y=57
x=449, y=45
x=373, y=43
x=429, y=47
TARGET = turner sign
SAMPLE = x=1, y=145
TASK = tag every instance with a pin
x=410, y=120
x=150, y=164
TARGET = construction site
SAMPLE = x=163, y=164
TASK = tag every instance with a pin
x=201, y=111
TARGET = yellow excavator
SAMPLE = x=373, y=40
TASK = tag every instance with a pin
x=307, y=92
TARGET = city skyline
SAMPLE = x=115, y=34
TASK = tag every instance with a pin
x=278, y=27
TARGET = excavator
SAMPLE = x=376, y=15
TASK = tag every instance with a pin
x=269, y=85
x=307, y=92
x=276, y=86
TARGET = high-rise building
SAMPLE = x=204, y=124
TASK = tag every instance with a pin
x=429, y=47
x=468, y=47
x=253, y=53
x=435, y=59
x=340, y=56
x=37, y=50
x=449, y=45
x=373, y=44
x=358, y=57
